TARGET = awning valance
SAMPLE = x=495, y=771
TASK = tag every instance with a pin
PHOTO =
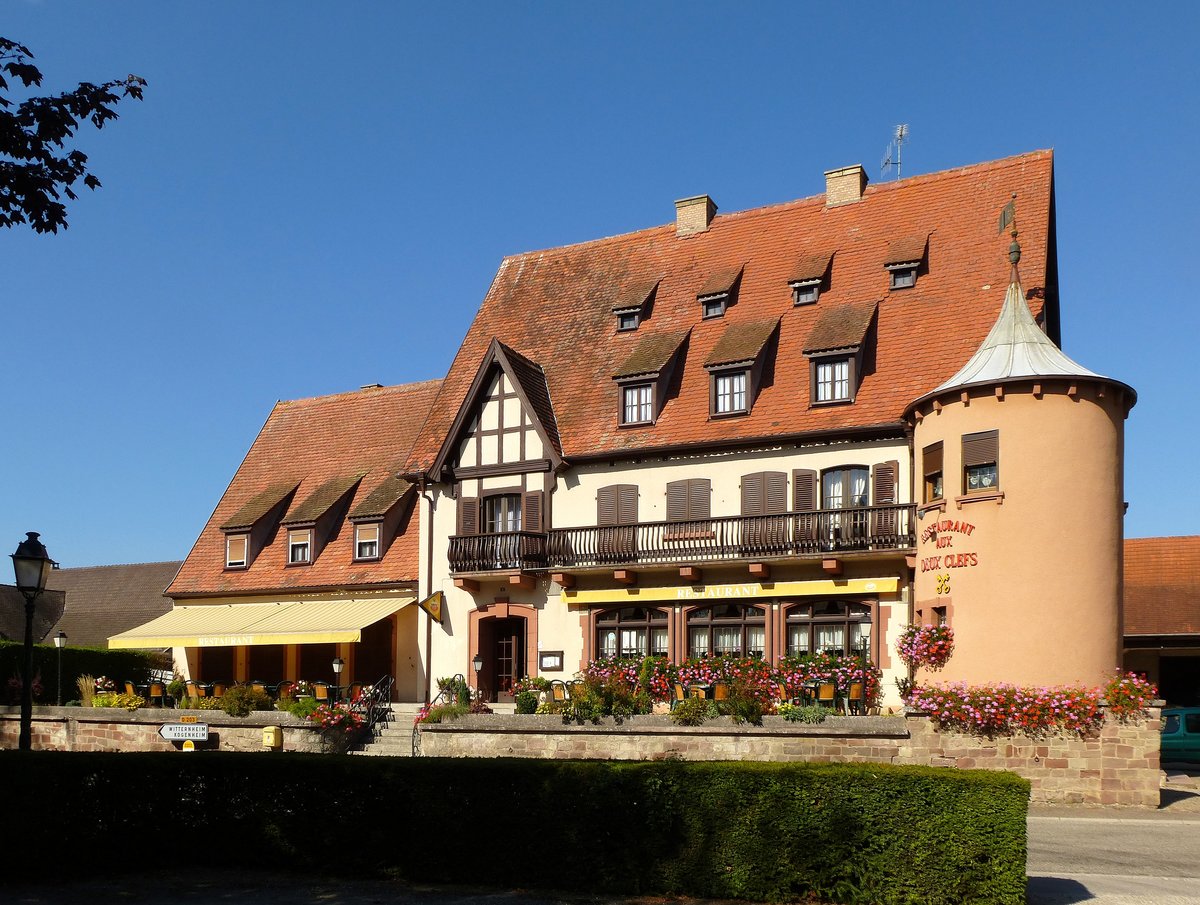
x=288, y=622
x=733, y=592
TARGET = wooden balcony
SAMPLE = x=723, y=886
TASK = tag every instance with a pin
x=816, y=534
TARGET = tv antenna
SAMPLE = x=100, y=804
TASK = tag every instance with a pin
x=891, y=155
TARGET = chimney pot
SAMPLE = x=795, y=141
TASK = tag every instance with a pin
x=693, y=215
x=845, y=185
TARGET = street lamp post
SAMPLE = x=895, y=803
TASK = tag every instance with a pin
x=60, y=641
x=32, y=565
x=338, y=663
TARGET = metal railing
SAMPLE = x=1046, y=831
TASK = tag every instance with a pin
x=815, y=533
x=375, y=705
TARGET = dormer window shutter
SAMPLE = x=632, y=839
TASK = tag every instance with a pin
x=468, y=515
x=531, y=511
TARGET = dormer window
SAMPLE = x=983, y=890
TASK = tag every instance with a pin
x=634, y=304
x=736, y=364
x=637, y=403
x=729, y=393
x=835, y=350
x=237, y=551
x=905, y=256
x=366, y=542
x=299, y=546
x=808, y=276
x=719, y=292
x=904, y=277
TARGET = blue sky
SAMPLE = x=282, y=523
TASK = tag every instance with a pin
x=314, y=197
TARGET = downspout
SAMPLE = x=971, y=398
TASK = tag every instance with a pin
x=428, y=590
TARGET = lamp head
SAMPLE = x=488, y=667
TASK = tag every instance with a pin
x=32, y=565
x=60, y=640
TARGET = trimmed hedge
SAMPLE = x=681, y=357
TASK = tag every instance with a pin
x=851, y=833
x=118, y=665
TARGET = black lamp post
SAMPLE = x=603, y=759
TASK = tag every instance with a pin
x=338, y=663
x=60, y=641
x=32, y=565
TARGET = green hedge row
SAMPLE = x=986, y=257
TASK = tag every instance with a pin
x=848, y=833
x=119, y=665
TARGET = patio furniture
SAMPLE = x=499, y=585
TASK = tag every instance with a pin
x=827, y=695
x=157, y=691
x=285, y=689
x=575, y=687
x=558, y=691
x=196, y=689
x=855, y=699
x=130, y=689
x=699, y=691
x=322, y=692
x=720, y=691
x=218, y=689
x=354, y=691
x=261, y=687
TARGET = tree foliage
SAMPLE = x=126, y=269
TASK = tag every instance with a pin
x=37, y=168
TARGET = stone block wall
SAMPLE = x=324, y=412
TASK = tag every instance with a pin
x=1118, y=767
x=111, y=729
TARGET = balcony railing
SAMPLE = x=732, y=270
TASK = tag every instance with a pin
x=738, y=537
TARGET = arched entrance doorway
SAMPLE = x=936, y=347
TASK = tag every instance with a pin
x=505, y=638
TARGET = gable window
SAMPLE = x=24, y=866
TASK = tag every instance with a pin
x=727, y=630
x=931, y=462
x=903, y=276
x=628, y=320
x=831, y=380
x=729, y=393
x=637, y=403
x=366, y=542
x=805, y=293
x=299, y=546
x=631, y=632
x=980, y=458
x=502, y=513
x=236, y=551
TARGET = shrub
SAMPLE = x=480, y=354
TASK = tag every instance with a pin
x=87, y=689
x=113, y=699
x=745, y=703
x=605, y=692
x=693, y=711
x=443, y=713
x=299, y=707
x=16, y=684
x=242, y=699
x=455, y=689
x=849, y=833
x=527, y=701
x=199, y=703
x=804, y=713
x=132, y=665
x=177, y=688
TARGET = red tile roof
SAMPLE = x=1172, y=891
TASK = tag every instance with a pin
x=741, y=342
x=841, y=327
x=906, y=249
x=651, y=355
x=107, y=600
x=811, y=267
x=1162, y=585
x=318, y=443
x=555, y=307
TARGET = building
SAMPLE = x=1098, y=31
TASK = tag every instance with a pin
x=311, y=553
x=1162, y=614
x=697, y=439
x=106, y=600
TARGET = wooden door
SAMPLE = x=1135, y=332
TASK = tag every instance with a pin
x=508, y=656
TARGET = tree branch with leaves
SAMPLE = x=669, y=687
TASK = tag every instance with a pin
x=37, y=169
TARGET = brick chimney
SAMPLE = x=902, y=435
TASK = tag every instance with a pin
x=693, y=215
x=844, y=185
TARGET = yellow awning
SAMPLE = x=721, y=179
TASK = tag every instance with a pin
x=731, y=592
x=233, y=625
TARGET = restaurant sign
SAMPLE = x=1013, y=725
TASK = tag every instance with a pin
x=182, y=732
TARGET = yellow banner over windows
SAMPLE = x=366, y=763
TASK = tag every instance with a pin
x=698, y=593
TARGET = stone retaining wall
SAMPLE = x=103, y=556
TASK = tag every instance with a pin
x=112, y=729
x=1118, y=767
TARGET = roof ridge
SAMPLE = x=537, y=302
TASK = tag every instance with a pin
x=389, y=389
x=119, y=565
x=920, y=179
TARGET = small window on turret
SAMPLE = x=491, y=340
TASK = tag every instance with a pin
x=980, y=458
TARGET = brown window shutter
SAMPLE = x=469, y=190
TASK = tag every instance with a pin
x=931, y=458
x=606, y=505
x=883, y=482
x=468, y=515
x=804, y=490
x=531, y=511
x=699, y=498
x=980, y=449
x=627, y=499
x=677, y=501
x=754, y=494
x=775, y=496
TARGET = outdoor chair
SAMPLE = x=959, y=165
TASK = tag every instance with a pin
x=558, y=692
x=196, y=690
x=322, y=692
x=129, y=689
x=782, y=691
x=354, y=691
x=827, y=695
x=260, y=687
x=678, y=694
x=218, y=689
x=575, y=688
x=855, y=702
x=720, y=691
x=285, y=689
x=157, y=692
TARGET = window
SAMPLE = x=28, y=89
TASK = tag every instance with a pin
x=729, y=393
x=637, y=404
x=628, y=320
x=366, y=542
x=299, y=546
x=236, y=548
x=803, y=294
x=832, y=380
x=502, y=513
x=940, y=616
x=728, y=630
x=631, y=632
x=980, y=458
x=827, y=627
x=904, y=277
x=844, y=488
x=931, y=463
x=713, y=307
